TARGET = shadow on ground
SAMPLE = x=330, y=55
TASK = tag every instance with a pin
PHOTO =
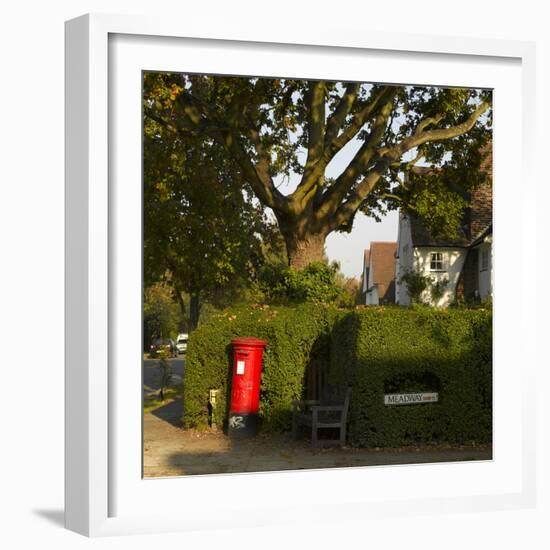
x=57, y=517
x=193, y=452
x=171, y=412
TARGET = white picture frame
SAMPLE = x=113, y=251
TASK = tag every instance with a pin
x=101, y=497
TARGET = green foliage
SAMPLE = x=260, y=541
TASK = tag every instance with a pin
x=292, y=333
x=374, y=350
x=153, y=402
x=201, y=223
x=417, y=284
x=402, y=350
x=251, y=131
x=438, y=287
x=318, y=282
x=160, y=312
x=437, y=206
x=315, y=283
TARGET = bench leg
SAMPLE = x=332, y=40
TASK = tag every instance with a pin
x=343, y=436
x=314, y=429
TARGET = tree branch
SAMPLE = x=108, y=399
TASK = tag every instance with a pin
x=391, y=155
x=313, y=173
x=421, y=136
x=169, y=125
x=358, y=164
x=369, y=111
x=257, y=174
x=316, y=122
x=337, y=119
x=348, y=208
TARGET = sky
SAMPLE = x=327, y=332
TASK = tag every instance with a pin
x=347, y=248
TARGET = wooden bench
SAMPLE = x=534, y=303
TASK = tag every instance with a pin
x=331, y=411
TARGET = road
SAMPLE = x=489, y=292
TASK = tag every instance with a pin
x=152, y=372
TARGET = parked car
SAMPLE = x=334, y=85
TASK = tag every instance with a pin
x=163, y=343
x=181, y=342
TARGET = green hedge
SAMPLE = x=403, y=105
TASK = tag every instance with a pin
x=401, y=350
x=376, y=350
x=292, y=332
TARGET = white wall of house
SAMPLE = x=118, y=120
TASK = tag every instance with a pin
x=365, y=282
x=371, y=297
x=418, y=259
x=485, y=266
x=453, y=261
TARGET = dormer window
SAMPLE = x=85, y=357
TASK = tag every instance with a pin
x=436, y=261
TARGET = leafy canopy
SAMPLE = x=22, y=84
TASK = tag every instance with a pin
x=200, y=221
x=276, y=128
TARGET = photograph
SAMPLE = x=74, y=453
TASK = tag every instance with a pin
x=317, y=274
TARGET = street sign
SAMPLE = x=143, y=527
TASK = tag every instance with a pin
x=410, y=398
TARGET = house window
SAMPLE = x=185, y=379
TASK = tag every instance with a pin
x=484, y=260
x=436, y=261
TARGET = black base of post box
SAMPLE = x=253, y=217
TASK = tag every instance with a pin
x=242, y=424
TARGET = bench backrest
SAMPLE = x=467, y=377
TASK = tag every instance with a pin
x=339, y=395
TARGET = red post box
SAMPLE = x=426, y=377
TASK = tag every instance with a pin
x=245, y=387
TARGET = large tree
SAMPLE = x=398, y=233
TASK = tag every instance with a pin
x=202, y=230
x=272, y=128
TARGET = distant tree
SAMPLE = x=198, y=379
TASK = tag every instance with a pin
x=160, y=313
x=351, y=290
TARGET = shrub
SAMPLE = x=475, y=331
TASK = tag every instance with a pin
x=292, y=332
x=315, y=283
x=402, y=350
x=318, y=282
x=417, y=284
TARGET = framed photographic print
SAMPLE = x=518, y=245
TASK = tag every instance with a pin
x=288, y=276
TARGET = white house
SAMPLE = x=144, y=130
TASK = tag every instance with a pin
x=459, y=268
x=440, y=260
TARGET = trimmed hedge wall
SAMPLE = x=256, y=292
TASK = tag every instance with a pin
x=293, y=334
x=407, y=350
x=375, y=350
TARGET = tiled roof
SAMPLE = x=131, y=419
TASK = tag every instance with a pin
x=487, y=232
x=382, y=255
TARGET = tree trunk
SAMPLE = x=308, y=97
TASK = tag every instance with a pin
x=194, y=310
x=181, y=304
x=304, y=250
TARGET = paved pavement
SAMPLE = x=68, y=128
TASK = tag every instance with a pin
x=152, y=373
x=169, y=450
